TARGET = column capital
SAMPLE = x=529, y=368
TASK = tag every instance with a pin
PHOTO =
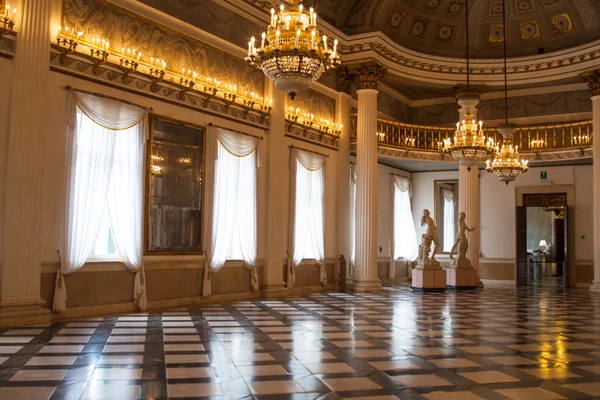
x=592, y=79
x=363, y=75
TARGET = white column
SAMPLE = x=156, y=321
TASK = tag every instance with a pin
x=468, y=202
x=468, y=187
x=343, y=202
x=277, y=194
x=365, y=274
x=596, y=213
x=20, y=247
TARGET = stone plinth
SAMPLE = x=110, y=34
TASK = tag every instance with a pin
x=429, y=280
x=461, y=278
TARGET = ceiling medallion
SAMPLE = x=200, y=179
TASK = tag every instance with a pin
x=506, y=164
x=292, y=52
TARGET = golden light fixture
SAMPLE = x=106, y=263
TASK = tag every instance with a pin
x=292, y=51
x=507, y=163
x=469, y=145
x=7, y=19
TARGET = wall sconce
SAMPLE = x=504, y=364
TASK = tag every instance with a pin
x=537, y=146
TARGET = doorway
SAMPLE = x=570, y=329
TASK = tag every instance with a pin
x=542, y=240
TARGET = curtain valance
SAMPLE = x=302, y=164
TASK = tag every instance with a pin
x=310, y=161
x=448, y=195
x=403, y=184
x=235, y=143
x=109, y=114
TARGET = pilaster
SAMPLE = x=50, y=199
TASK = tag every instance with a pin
x=276, y=189
x=343, y=204
x=365, y=274
x=592, y=78
x=20, y=270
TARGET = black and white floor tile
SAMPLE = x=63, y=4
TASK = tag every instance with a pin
x=496, y=343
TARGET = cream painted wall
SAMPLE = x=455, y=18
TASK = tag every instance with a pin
x=498, y=206
x=6, y=66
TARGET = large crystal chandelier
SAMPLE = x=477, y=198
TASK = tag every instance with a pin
x=469, y=145
x=292, y=51
x=507, y=164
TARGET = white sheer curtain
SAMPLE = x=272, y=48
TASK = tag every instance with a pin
x=105, y=165
x=234, y=203
x=405, y=237
x=449, y=219
x=308, y=196
x=352, y=217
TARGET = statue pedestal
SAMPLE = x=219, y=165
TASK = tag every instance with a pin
x=461, y=278
x=429, y=278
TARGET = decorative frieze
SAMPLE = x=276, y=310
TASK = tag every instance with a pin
x=97, y=18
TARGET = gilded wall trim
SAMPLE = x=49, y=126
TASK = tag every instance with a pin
x=110, y=75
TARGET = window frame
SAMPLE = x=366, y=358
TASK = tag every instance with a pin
x=152, y=117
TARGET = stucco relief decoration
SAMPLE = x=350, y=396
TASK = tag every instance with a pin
x=454, y=8
x=313, y=102
x=529, y=29
x=524, y=5
x=562, y=23
x=397, y=19
x=358, y=14
x=496, y=34
x=592, y=79
x=97, y=19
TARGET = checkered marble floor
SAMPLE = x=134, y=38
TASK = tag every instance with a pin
x=497, y=343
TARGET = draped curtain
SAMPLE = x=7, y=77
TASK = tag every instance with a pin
x=105, y=167
x=404, y=239
x=234, y=203
x=308, y=196
x=449, y=219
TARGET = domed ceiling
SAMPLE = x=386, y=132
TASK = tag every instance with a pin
x=437, y=27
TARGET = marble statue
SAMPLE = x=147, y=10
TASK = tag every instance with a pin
x=462, y=244
x=430, y=236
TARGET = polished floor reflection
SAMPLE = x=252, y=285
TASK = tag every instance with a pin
x=498, y=343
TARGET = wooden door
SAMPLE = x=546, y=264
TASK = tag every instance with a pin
x=522, y=267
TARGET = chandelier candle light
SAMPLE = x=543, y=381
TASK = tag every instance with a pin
x=292, y=51
x=7, y=19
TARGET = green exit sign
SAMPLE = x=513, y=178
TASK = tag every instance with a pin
x=543, y=175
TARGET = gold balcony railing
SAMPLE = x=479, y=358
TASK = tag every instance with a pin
x=532, y=139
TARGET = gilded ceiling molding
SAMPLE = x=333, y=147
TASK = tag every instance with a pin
x=592, y=79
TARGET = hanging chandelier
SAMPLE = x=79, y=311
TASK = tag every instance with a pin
x=469, y=145
x=507, y=163
x=292, y=51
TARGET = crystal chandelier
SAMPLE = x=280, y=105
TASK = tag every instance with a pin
x=469, y=145
x=292, y=51
x=507, y=164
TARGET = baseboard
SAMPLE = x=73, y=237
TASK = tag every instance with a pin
x=499, y=282
x=583, y=285
x=187, y=301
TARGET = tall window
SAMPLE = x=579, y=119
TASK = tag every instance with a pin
x=233, y=205
x=449, y=219
x=104, y=187
x=176, y=168
x=405, y=236
x=308, y=195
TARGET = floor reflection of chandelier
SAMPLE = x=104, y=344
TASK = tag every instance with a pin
x=469, y=145
x=507, y=164
x=292, y=52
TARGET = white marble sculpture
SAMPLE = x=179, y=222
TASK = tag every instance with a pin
x=430, y=236
x=462, y=244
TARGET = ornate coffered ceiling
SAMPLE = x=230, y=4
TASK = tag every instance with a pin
x=437, y=27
